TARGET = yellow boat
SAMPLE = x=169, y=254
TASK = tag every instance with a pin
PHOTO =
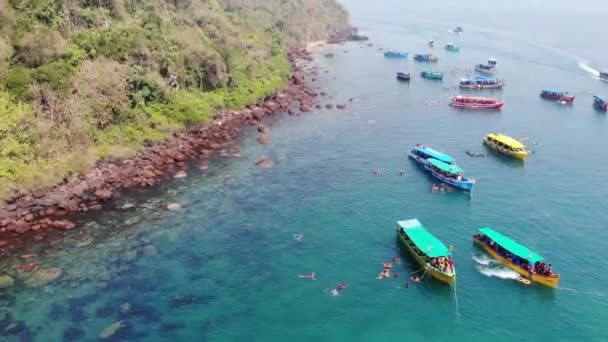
x=427, y=250
x=507, y=145
x=508, y=251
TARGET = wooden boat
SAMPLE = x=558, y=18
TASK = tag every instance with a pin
x=452, y=47
x=486, y=69
x=471, y=102
x=403, y=76
x=449, y=174
x=599, y=103
x=395, y=54
x=422, y=154
x=433, y=75
x=481, y=82
x=507, y=145
x=604, y=75
x=427, y=250
x=515, y=256
x=425, y=57
x=557, y=95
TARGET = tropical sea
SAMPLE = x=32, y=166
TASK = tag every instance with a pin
x=225, y=267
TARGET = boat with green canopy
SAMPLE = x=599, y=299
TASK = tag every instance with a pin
x=428, y=251
x=516, y=256
x=450, y=174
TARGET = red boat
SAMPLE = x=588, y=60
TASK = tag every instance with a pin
x=475, y=102
x=557, y=95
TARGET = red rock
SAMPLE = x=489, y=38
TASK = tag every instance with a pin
x=264, y=163
x=3, y=243
x=263, y=139
x=305, y=108
x=263, y=129
x=63, y=224
x=216, y=146
x=27, y=256
x=103, y=195
x=28, y=268
x=78, y=189
x=95, y=206
x=4, y=222
x=21, y=227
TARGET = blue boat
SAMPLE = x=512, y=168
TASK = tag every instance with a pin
x=449, y=174
x=434, y=75
x=452, y=47
x=395, y=54
x=600, y=103
x=425, y=57
x=422, y=154
x=403, y=76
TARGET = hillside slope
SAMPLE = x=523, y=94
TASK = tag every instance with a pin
x=82, y=80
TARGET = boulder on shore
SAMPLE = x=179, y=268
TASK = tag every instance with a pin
x=180, y=174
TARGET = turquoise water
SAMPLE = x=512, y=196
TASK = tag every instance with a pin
x=225, y=267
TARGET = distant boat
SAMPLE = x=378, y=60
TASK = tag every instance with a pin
x=432, y=43
x=604, y=75
x=481, y=82
x=600, y=103
x=403, y=76
x=507, y=145
x=557, y=95
x=486, y=69
x=395, y=54
x=434, y=75
x=459, y=30
x=425, y=57
x=449, y=174
x=470, y=102
x=492, y=62
x=428, y=251
x=452, y=47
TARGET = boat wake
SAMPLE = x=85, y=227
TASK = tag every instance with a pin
x=492, y=268
x=583, y=65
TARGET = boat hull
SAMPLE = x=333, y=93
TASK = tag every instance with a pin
x=517, y=155
x=497, y=105
x=395, y=54
x=558, y=98
x=600, y=106
x=551, y=281
x=481, y=86
x=485, y=71
x=465, y=184
x=435, y=273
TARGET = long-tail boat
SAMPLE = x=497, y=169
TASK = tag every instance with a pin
x=557, y=95
x=427, y=250
x=516, y=256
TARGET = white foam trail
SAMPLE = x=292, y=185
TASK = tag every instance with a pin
x=483, y=260
x=583, y=65
x=492, y=268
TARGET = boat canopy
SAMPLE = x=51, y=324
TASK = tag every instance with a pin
x=436, y=154
x=599, y=99
x=511, y=245
x=422, y=55
x=453, y=169
x=554, y=91
x=485, y=79
x=425, y=241
x=507, y=140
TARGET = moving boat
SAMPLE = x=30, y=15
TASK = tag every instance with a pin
x=434, y=75
x=481, y=82
x=604, y=75
x=449, y=174
x=507, y=145
x=459, y=30
x=557, y=95
x=428, y=251
x=432, y=43
x=403, y=76
x=425, y=57
x=517, y=257
x=492, y=62
x=395, y=54
x=452, y=47
x=471, y=102
x=486, y=69
x=600, y=103
x=422, y=154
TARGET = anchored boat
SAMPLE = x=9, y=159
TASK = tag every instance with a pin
x=452, y=47
x=395, y=54
x=434, y=75
x=507, y=145
x=599, y=103
x=427, y=250
x=557, y=95
x=422, y=154
x=492, y=62
x=604, y=75
x=403, y=76
x=471, y=102
x=485, y=68
x=425, y=57
x=459, y=30
x=517, y=257
x=481, y=82
x=449, y=174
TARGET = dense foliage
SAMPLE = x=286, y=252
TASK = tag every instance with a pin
x=82, y=80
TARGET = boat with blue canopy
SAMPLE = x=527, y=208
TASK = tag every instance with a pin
x=449, y=174
x=516, y=256
x=395, y=54
x=422, y=154
x=428, y=251
x=452, y=47
x=403, y=76
x=600, y=103
x=426, y=57
x=485, y=68
x=433, y=75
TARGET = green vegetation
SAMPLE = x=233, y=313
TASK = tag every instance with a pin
x=82, y=80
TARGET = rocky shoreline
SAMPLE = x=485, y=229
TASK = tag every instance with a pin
x=33, y=214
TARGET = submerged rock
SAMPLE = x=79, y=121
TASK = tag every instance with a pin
x=6, y=281
x=149, y=250
x=264, y=163
x=43, y=277
x=112, y=329
x=174, y=206
x=263, y=139
x=180, y=174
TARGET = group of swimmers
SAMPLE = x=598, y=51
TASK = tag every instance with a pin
x=442, y=187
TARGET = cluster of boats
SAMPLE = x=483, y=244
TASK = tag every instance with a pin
x=436, y=259
x=599, y=103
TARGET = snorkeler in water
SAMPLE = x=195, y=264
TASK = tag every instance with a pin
x=308, y=276
x=341, y=287
x=298, y=236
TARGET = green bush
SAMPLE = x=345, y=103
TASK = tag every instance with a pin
x=17, y=82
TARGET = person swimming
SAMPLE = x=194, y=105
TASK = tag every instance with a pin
x=415, y=279
x=308, y=276
x=298, y=236
x=396, y=275
x=396, y=259
x=341, y=287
